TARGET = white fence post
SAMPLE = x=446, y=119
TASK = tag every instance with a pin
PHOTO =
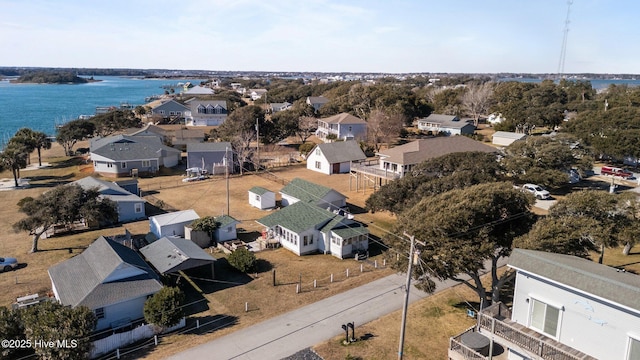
x=347, y=272
x=331, y=278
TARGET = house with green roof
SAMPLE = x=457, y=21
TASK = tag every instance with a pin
x=563, y=307
x=306, y=191
x=305, y=228
x=262, y=198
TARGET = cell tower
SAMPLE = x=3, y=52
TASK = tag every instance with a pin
x=563, y=50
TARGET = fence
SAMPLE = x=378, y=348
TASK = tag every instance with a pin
x=119, y=340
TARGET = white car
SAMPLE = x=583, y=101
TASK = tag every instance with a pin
x=538, y=191
x=8, y=264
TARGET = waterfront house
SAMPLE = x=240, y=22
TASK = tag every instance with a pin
x=124, y=155
x=130, y=207
x=446, y=124
x=171, y=224
x=564, y=307
x=300, y=190
x=206, y=112
x=214, y=157
x=304, y=228
x=343, y=126
x=316, y=102
x=199, y=90
x=262, y=198
x=335, y=157
x=169, y=109
x=110, y=279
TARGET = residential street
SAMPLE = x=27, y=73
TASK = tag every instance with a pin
x=289, y=333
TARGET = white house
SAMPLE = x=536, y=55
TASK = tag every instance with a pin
x=171, y=224
x=110, y=279
x=305, y=191
x=304, y=228
x=506, y=138
x=343, y=126
x=256, y=94
x=206, y=112
x=335, y=157
x=568, y=306
x=262, y=198
x=446, y=124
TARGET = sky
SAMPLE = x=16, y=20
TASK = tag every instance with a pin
x=385, y=36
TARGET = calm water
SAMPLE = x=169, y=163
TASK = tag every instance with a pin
x=42, y=106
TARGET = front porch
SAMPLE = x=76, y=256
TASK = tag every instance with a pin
x=494, y=323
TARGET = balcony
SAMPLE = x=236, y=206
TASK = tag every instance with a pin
x=493, y=322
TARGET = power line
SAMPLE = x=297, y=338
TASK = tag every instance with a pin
x=563, y=49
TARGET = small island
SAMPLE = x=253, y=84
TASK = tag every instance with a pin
x=48, y=77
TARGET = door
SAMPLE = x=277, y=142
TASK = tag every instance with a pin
x=336, y=168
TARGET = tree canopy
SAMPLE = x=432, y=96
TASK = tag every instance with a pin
x=165, y=308
x=70, y=133
x=113, y=121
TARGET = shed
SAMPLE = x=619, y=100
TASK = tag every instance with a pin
x=227, y=229
x=262, y=198
x=171, y=224
x=171, y=254
x=506, y=138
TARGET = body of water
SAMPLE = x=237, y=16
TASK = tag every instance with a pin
x=597, y=84
x=42, y=106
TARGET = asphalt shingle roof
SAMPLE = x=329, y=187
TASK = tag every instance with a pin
x=259, y=190
x=298, y=217
x=596, y=279
x=175, y=217
x=103, y=274
x=209, y=147
x=305, y=191
x=343, y=118
x=418, y=151
x=173, y=254
x=342, y=151
x=124, y=147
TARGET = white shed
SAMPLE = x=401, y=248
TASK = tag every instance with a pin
x=506, y=138
x=262, y=198
x=171, y=224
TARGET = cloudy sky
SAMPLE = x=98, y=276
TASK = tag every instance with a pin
x=391, y=36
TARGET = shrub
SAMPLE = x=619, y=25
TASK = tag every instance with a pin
x=242, y=259
x=164, y=308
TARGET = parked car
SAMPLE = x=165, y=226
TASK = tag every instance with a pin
x=8, y=264
x=616, y=172
x=538, y=191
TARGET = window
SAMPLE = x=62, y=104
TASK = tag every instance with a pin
x=318, y=151
x=634, y=349
x=305, y=240
x=311, y=239
x=146, y=163
x=318, y=165
x=109, y=165
x=544, y=317
x=228, y=229
x=161, y=112
x=123, y=165
x=99, y=313
x=258, y=197
x=138, y=208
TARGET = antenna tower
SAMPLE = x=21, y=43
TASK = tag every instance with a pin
x=563, y=50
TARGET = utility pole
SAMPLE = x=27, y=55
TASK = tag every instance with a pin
x=406, y=296
x=226, y=171
x=257, y=145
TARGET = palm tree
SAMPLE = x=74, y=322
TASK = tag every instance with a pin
x=14, y=156
x=41, y=141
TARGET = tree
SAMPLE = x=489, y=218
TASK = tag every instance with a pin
x=113, y=121
x=14, y=156
x=477, y=100
x=50, y=321
x=11, y=328
x=165, y=308
x=383, y=127
x=462, y=229
x=240, y=130
x=41, y=141
x=64, y=205
x=242, y=259
x=207, y=224
x=32, y=140
x=586, y=221
x=70, y=133
x=307, y=126
x=306, y=148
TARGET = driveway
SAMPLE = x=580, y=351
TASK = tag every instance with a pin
x=289, y=333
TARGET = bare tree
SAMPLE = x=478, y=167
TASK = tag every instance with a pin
x=383, y=127
x=307, y=126
x=476, y=100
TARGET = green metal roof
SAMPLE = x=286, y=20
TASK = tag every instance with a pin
x=225, y=220
x=350, y=230
x=304, y=190
x=298, y=217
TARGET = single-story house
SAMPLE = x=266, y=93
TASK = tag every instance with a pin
x=124, y=155
x=316, y=101
x=335, y=157
x=344, y=126
x=304, y=228
x=564, y=305
x=275, y=107
x=110, y=279
x=401, y=159
x=447, y=124
x=170, y=255
x=215, y=157
x=171, y=224
x=169, y=109
x=305, y=191
x=227, y=229
x=262, y=198
x=206, y=112
x=130, y=207
x=506, y=138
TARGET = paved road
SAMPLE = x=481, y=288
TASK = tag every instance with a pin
x=286, y=334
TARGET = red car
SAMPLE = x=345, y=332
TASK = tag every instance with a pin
x=616, y=171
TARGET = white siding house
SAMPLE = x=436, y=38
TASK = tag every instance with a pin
x=171, y=224
x=262, y=198
x=305, y=191
x=446, y=124
x=343, y=126
x=335, y=157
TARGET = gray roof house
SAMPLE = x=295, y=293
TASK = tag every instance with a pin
x=199, y=90
x=171, y=224
x=316, y=101
x=206, y=112
x=169, y=109
x=401, y=159
x=215, y=157
x=109, y=278
x=124, y=155
x=130, y=207
x=305, y=191
x=564, y=305
x=506, y=138
x=275, y=107
x=446, y=124
x=304, y=228
x=343, y=126
x=335, y=157
x=170, y=255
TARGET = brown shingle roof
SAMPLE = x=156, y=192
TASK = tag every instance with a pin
x=343, y=118
x=420, y=150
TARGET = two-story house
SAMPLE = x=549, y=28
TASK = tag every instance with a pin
x=206, y=112
x=343, y=126
x=169, y=109
x=316, y=101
